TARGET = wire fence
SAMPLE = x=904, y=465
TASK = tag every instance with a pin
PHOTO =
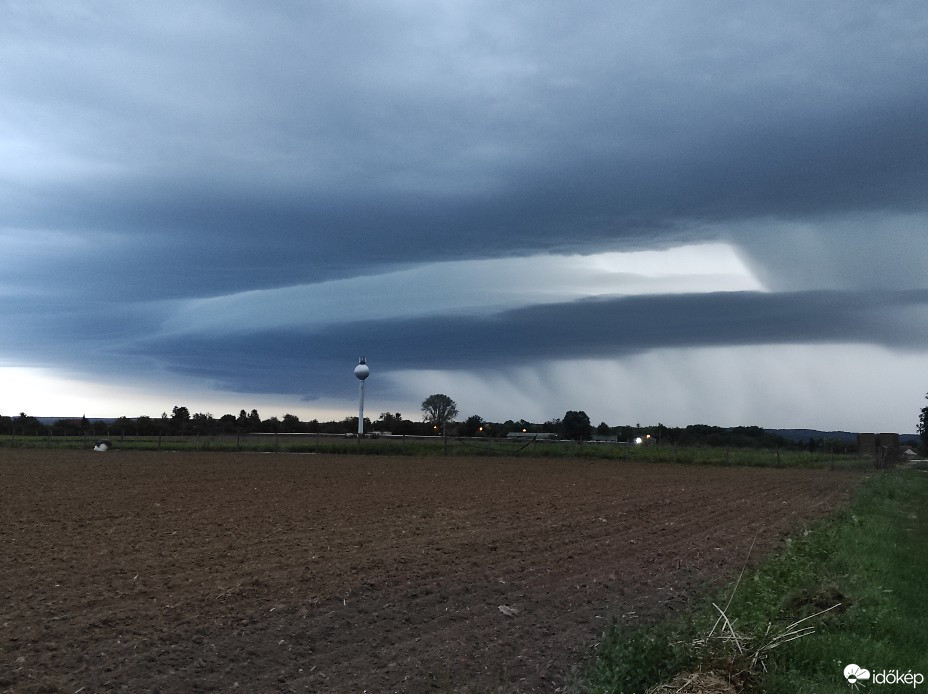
x=438, y=446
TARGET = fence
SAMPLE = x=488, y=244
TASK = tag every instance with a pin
x=436, y=446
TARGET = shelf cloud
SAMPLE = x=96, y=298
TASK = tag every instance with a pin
x=241, y=200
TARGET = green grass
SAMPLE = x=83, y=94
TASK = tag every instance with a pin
x=870, y=557
x=416, y=446
x=704, y=455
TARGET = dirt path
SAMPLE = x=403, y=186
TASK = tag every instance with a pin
x=176, y=572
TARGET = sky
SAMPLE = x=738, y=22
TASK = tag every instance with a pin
x=651, y=211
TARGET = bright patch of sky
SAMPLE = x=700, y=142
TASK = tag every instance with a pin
x=472, y=287
x=50, y=393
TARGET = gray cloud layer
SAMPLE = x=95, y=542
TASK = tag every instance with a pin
x=595, y=328
x=191, y=151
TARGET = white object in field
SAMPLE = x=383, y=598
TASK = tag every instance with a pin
x=102, y=446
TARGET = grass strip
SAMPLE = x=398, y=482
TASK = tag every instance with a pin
x=703, y=455
x=867, y=565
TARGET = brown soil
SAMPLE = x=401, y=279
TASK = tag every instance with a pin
x=171, y=572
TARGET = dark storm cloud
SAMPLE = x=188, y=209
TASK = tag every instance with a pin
x=190, y=150
x=82, y=336
x=294, y=361
x=230, y=149
x=216, y=241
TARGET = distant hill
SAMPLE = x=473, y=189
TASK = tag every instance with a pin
x=47, y=421
x=803, y=435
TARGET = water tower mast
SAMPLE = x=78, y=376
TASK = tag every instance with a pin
x=361, y=371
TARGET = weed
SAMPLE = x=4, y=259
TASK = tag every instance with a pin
x=849, y=590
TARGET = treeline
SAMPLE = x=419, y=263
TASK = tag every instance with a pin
x=574, y=425
x=180, y=422
x=736, y=437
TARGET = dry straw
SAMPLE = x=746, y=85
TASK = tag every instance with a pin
x=743, y=657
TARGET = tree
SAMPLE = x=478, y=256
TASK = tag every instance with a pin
x=29, y=423
x=203, y=422
x=124, y=426
x=68, y=427
x=439, y=409
x=473, y=425
x=100, y=428
x=144, y=425
x=577, y=425
x=923, y=424
x=389, y=421
x=603, y=429
x=552, y=426
x=180, y=417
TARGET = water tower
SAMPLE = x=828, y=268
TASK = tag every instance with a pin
x=361, y=371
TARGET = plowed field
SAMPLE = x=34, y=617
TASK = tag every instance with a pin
x=176, y=572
